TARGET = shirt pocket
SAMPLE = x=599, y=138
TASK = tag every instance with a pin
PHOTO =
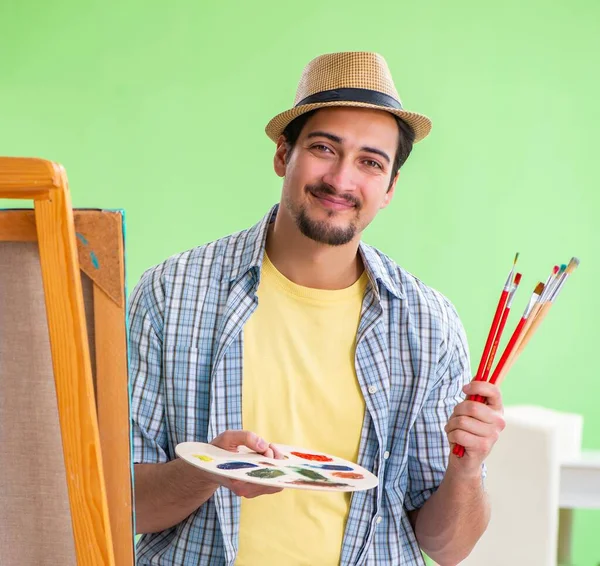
x=187, y=395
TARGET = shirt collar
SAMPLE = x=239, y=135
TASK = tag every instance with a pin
x=378, y=270
x=256, y=238
x=254, y=241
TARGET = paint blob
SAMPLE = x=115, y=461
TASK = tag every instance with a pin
x=348, y=475
x=236, y=465
x=310, y=474
x=266, y=473
x=333, y=467
x=266, y=464
x=203, y=457
x=313, y=457
x=325, y=483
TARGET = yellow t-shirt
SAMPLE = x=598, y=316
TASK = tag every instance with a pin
x=300, y=388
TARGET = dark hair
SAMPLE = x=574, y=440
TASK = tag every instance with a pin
x=405, y=140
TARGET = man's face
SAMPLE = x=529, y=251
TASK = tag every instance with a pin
x=337, y=177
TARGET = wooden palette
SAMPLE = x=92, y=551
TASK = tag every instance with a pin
x=300, y=468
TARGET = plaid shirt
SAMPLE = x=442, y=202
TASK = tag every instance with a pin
x=186, y=339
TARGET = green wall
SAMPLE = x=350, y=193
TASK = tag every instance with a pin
x=159, y=108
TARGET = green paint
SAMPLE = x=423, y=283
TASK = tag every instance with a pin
x=266, y=473
x=310, y=474
x=165, y=120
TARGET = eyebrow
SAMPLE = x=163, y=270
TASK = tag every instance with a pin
x=337, y=139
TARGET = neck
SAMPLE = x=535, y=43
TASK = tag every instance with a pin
x=309, y=263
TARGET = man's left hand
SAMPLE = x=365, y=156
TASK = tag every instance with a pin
x=476, y=426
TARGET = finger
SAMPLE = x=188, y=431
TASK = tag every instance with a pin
x=470, y=425
x=232, y=439
x=276, y=452
x=472, y=443
x=268, y=453
x=255, y=442
x=489, y=391
x=476, y=410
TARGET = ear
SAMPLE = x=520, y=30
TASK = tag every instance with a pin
x=390, y=192
x=279, y=160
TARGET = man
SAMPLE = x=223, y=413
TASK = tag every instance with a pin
x=296, y=332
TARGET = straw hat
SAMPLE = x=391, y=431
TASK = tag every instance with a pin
x=360, y=79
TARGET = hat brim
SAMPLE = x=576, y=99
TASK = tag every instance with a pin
x=420, y=124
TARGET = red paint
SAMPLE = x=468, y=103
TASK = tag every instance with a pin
x=313, y=457
x=348, y=475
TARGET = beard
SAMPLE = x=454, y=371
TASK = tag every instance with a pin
x=321, y=230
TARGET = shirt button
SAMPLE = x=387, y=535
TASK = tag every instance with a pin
x=379, y=519
x=386, y=455
x=372, y=389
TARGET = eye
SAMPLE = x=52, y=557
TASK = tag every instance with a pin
x=321, y=147
x=372, y=164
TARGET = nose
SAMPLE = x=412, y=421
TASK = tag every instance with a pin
x=341, y=176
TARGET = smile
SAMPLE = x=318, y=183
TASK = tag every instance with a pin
x=333, y=203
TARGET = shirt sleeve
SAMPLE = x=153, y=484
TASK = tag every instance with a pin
x=145, y=371
x=429, y=448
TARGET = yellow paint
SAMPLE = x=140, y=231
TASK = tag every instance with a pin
x=203, y=457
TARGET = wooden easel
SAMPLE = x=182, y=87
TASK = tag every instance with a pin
x=92, y=398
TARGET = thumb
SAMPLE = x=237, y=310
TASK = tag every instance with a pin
x=232, y=439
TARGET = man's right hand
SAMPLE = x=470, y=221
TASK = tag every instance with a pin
x=231, y=440
x=165, y=494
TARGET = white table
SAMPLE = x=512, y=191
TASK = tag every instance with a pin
x=579, y=489
x=580, y=481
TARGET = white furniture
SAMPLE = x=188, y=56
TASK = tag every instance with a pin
x=579, y=489
x=535, y=469
x=580, y=481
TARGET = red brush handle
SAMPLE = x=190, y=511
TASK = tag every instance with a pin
x=488, y=366
x=492, y=334
x=458, y=449
x=508, y=350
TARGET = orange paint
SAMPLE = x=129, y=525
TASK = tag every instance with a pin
x=348, y=475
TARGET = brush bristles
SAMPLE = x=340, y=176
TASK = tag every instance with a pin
x=573, y=265
x=539, y=304
x=516, y=258
x=518, y=278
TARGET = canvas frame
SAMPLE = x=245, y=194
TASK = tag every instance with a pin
x=93, y=415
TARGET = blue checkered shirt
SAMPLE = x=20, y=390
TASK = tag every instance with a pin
x=186, y=337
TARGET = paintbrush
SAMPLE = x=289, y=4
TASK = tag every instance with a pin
x=540, y=312
x=496, y=322
x=505, y=314
x=550, y=284
x=458, y=449
x=509, y=351
x=537, y=309
x=543, y=310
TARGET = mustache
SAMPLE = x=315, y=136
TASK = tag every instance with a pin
x=321, y=189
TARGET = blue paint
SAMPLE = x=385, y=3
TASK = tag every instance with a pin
x=236, y=465
x=333, y=467
x=93, y=256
